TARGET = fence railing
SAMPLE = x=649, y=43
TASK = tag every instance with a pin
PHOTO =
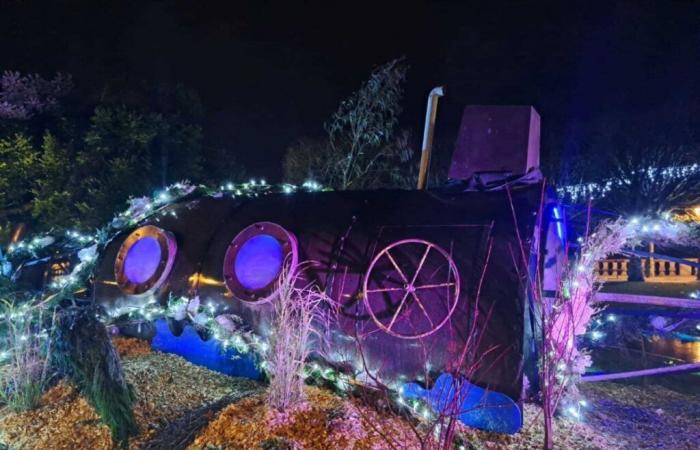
x=615, y=269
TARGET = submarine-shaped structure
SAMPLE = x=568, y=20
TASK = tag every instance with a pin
x=414, y=273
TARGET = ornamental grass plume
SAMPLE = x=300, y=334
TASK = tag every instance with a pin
x=300, y=308
x=25, y=352
x=567, y=316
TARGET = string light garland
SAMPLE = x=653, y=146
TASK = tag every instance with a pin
x=229, y=330
x=139, y=209
x=581, y=192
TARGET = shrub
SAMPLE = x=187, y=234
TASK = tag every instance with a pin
x=25, y=352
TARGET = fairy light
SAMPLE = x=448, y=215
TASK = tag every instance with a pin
x=573, y=412
x=583, y=191
x=88, y=246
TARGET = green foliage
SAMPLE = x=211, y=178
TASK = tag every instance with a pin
x=362, y=149
x=368, y=117
x=18, y=159
x=52, y=196
x=276, y=443
x=115, y=162
x=63, y=169
x=84, y=352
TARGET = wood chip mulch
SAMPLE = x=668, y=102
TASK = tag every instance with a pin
x=64, y=420
x=193, y=404
x=128, y=347
x=166, y=386
x=618, y=416
x=326, y=421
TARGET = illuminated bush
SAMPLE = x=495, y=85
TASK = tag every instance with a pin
x=25, y=352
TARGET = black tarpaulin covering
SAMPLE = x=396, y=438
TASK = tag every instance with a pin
x=342, y=232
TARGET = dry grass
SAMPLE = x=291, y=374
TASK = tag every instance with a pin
x=300, y=310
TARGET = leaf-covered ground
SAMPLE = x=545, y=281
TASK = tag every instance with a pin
x=172, y=394
x=166, y=387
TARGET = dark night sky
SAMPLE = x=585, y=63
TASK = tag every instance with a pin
x=272, y=72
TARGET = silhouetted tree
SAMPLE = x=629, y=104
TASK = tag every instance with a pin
x=58, y=169
x=362, y=149
x=637, y=169
x=630, y=168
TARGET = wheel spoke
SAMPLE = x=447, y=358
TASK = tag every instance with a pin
x=396, y=266
x=431, y=286
x=420, y=265
x=415, y=297
x=370, y=291
x=407, y=280
x=396, y=314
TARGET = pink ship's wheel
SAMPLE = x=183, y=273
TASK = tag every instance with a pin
x=411, y=288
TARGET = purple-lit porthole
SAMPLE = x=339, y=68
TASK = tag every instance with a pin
x=144, y=260
x=259, y=261
x=255, y=259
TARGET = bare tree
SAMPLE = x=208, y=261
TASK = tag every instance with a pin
x=633, y=168
x=306, y=159
x=362, y=149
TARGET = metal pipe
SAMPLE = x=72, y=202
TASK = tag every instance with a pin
x=633, y=299
x=428, y=131
x=692, y=367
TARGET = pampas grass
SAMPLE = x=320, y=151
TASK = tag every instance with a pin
x=300, y=308
x=25, y=352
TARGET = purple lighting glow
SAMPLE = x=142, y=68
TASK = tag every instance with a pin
x=259, y=261
x=142, y=260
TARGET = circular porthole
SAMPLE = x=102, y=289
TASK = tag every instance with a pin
x=144, y=260
x=255, y=259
